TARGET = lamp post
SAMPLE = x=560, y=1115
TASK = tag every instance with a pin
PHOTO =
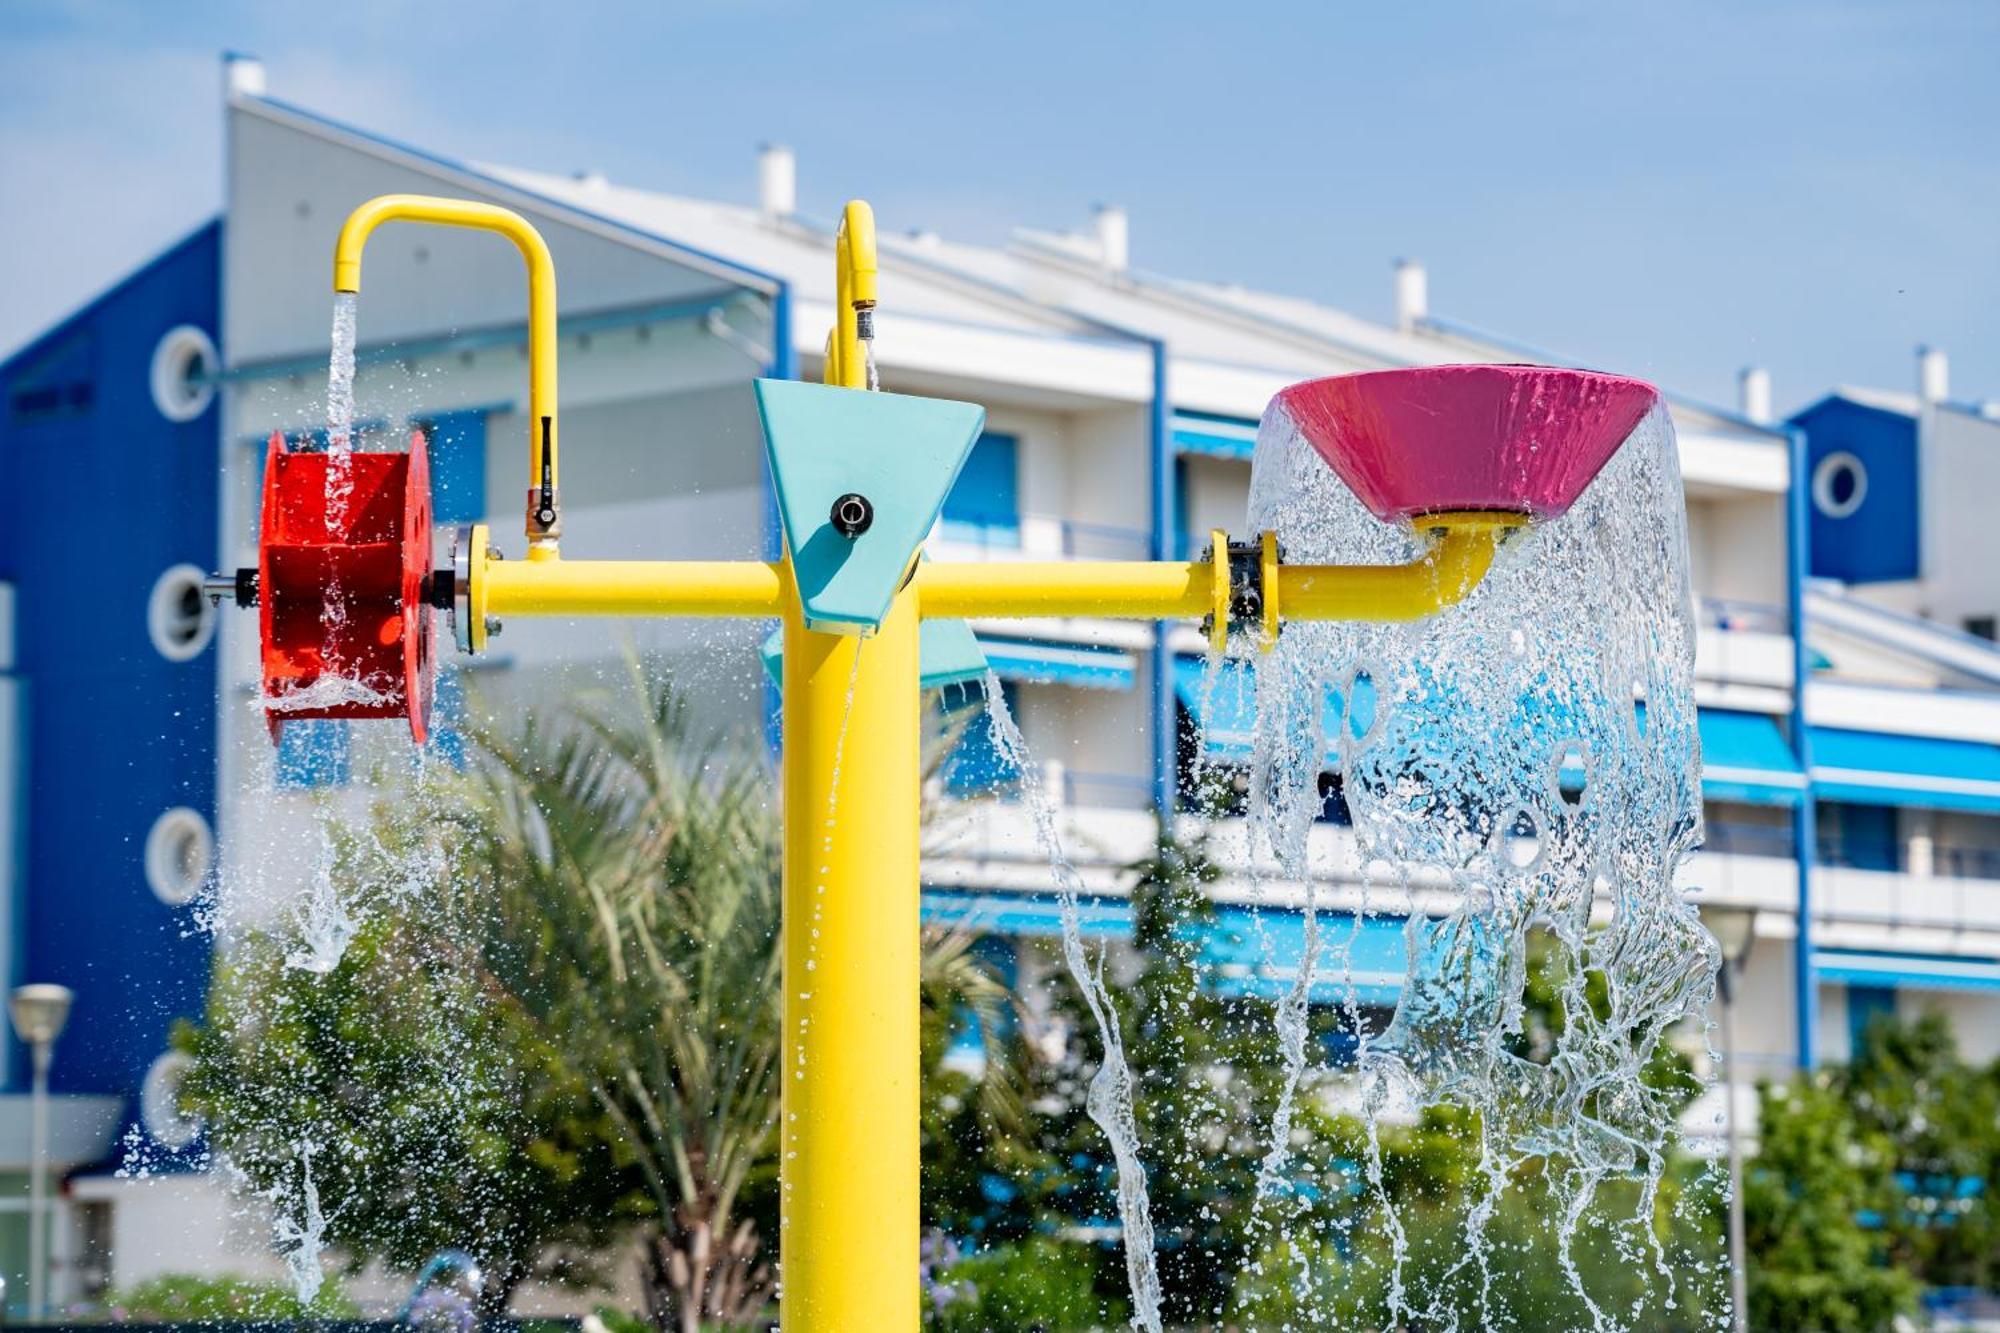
x=1735, y=929
x=39, y=1013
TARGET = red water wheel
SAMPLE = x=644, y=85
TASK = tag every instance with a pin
x=343, y=554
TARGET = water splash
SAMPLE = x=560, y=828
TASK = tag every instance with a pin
x=325, y=923
x=1534, y=751
x=325, y=692
x=1109, y=1098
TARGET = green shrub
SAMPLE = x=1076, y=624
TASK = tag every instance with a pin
x=188, y=1298
x=1039, y=1283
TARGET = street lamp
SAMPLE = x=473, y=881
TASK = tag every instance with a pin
x=39, y=1013
x=1735, y=929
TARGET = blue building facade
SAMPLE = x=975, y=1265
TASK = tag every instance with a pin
x=108, y=431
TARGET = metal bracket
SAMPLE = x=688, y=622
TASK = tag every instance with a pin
x=1246, y=589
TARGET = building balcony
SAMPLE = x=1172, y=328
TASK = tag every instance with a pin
x=1000, y=536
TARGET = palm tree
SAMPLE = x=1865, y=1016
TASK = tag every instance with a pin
x=632, y=882
x=594, y=920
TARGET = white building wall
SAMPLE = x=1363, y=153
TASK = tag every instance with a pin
x=1109, y=464
x=1960, y=457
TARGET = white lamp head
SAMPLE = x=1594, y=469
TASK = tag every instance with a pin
x=40, y=1011
x=1734, y=928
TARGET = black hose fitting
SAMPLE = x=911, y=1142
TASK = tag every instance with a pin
x=851, y=515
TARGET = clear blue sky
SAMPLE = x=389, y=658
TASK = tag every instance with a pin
x=1671, y=189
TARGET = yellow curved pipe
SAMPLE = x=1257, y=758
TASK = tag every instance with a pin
x=856, y=269
x=544, y=521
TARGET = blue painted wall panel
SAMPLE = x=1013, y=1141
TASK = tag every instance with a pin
x=115, y=734
x=1878, y=542
x=984, y=504
x=457, y=442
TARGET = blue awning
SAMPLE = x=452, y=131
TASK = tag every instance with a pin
x=1872, y=768
x=1227, y=706
x=1743, y=758
x=1259, y=952
x=1214, y=436
x=1244, y=951
x=1909, y=971
x=1060, y=664
x=1030, y=914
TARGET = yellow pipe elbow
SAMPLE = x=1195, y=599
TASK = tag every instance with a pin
x=543, y=519
x=855, y=269
x=857, y=231
x=1461, y=552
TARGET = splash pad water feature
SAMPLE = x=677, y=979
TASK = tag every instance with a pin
x=1444, y=473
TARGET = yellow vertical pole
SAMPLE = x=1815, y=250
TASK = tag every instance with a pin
x=848, y=1234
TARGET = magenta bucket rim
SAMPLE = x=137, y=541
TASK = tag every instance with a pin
x=1431, y=439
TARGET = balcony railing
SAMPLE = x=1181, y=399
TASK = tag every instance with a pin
x=1955, y=862
x=1734, y=839
x=1732, y=613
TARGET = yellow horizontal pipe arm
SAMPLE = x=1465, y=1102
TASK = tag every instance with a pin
x=1461, y=552
x=363, y=221
x=1457, y=560
x=631, y=588
x=1122, y=589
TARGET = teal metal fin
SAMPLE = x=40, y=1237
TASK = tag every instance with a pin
x=901, y=453
x=947, y=654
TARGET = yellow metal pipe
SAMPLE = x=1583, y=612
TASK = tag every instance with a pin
x=855, y=272
x=1135, y=590
x=849, y=1169
x=1443, y=576
x=629, y=588
x=544, y=524
x=1461, y=550
x=1124, y=589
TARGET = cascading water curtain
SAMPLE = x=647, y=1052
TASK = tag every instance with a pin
x=1527, y=768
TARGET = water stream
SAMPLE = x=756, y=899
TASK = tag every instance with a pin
x=1110, y=1096
x=1523, y=778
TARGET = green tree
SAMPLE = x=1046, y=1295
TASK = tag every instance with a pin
x=1255, y=1240
x=1941, y=1120
x=1807, y=1197
x=561, y=1026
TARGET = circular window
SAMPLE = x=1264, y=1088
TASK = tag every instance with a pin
x=180, y=851
x=1839, y=485
x=160, y=1102
x=179, y=617
x=183, y=363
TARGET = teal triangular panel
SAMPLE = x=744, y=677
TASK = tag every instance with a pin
x=947, y=654
x=900, y=452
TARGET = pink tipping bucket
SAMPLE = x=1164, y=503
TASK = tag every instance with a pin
x=1526, y=439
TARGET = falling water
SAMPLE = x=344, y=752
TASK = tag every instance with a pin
x=1534, y=752
x=340, y=410
x=1110, y=1096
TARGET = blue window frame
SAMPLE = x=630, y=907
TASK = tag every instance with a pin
x=1861, y=836
x=984, y=505
x=457, y=442
x=1864, y=1005
x=313, y=752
